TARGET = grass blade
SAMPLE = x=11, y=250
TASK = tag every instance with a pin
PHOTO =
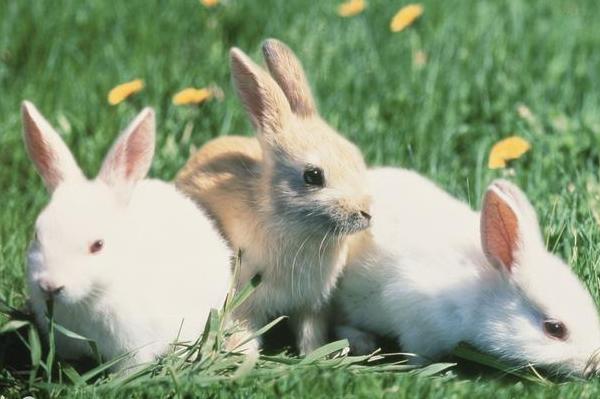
x=432, y=369
x=35, y=352
x=468, y=353
x=51, y=341
x=6, y=308
x=104, y=366
x=241, y=296
x=210, y=336
x=72, y=374
x=325, y=351
x=68, y=333
x=12, y=326
x=259, y=332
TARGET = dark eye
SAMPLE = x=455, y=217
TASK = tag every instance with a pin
x=555, y=329
x=96, y=246
x=313, y=176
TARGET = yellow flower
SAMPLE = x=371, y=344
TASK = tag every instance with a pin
x=192, y=96
x=507, y=149
x=122, y=91
x=209, y=3
x=405, y=17
x=351, y=8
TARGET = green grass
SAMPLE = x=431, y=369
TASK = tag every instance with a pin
x=485, y=60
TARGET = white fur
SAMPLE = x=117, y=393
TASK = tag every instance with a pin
x=163, y=264
x=422, y=277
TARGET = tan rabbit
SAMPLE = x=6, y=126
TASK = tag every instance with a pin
x=288, y=200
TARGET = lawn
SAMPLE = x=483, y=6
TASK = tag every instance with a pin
x=434, y=98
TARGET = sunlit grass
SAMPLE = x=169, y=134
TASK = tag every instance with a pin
x=434, y=97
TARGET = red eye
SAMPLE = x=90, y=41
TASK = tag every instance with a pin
x=555, y=329
x=96, y=246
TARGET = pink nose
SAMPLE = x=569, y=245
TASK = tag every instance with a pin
x=51, y=289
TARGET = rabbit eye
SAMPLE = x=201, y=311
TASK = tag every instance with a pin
x=96, y=246
x=555, y=329
x=313, y=176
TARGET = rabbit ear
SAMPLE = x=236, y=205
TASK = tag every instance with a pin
x=263, y=99
x=508, y=224
x=287, y=71
x=47, y=150
x=131, y=155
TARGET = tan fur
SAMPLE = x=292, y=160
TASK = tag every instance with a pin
x=221, y=177
x=285, y=69
x=254, y=189
x=269, y=110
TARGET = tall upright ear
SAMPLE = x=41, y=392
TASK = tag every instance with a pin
x=49, y=153
x=287, y=71
x=130, y=157
x=508, y=224
x=263, y=99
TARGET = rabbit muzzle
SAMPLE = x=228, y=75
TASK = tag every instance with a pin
x=50, y=289
x=355, y=222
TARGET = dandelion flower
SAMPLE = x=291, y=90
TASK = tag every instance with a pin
x=351, y=8
x=192, y=96
x=504, y=150
x=209, y=3
x=122, y=91
x=405, y=17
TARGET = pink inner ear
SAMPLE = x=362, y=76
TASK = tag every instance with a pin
x=135, y=153
x=42, y=156
x=500, y=229
x=262, y=97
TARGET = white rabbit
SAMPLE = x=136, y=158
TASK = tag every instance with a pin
x=289, y=199
x=432, y=273
x=129, y=262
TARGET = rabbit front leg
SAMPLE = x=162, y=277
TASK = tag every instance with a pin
x=311, y=331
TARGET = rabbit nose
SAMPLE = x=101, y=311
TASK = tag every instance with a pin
x=365, y=215
x=51, y=289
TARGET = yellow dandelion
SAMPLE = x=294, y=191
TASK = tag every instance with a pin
x=504, y=150
x=192, y=96
x=122, y=91
x=405, y=17
x=209, y=3
x=351, y=8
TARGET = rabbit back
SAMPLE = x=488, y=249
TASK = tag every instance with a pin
x=419, y=246
x=183, y=266
x=222, y=177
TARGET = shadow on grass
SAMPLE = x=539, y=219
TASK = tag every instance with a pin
x=14, y=354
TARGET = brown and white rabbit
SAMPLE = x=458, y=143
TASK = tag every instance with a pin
x=288, y=200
